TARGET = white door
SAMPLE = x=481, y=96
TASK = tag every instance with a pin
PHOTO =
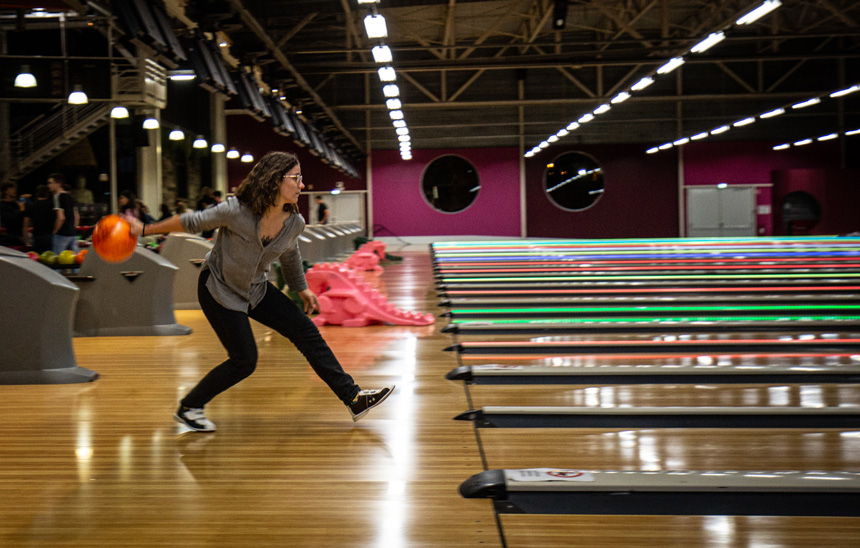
x=718, y=212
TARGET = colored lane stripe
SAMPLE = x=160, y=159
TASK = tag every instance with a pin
x=622, y=342
x=663, y=321
x=650, y=277
x=684, y=263
x=652, y=308
x=650, y=249
x=767, y=289
x=592, y=268
x=606, y=357
x=616, y=255
x=625, y=242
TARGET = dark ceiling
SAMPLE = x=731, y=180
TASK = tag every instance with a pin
x=490, y=73
x=496, y=73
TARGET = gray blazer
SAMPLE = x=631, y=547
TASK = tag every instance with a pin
x=238, y=262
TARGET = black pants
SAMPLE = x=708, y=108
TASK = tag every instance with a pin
x=233, y=328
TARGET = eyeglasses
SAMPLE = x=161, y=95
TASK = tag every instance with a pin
x=297, y=177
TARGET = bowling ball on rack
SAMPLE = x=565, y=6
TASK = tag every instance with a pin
x=48, y=258
x=66, y=258
x=112, y=239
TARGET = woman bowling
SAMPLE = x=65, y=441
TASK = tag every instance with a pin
x=259, y=225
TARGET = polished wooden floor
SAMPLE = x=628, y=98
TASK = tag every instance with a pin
x=104, y=465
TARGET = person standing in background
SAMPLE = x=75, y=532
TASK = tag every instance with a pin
x=42, y=217
x=67, y=219
x=322, y=210
x=11, y=216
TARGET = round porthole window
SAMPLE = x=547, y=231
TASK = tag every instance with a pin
x=450, y=183
x=574, y=181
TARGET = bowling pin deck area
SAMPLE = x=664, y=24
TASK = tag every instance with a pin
x=484, y=424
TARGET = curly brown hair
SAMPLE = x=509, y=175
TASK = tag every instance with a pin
x=260, y=188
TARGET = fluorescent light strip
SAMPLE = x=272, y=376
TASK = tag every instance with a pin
x=387, y=74
x=828, y=137
x=807, y=103
x=620, y=98
x=381, y=54
x=706, y=44
x=642, y=84
x=759, y=12
x=375, y=26
x=671, y=65
x=844, y=92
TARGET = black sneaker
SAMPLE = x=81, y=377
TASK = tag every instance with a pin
x=367, y=400
x=193, y=418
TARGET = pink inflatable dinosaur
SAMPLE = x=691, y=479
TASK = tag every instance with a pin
x=346, y=299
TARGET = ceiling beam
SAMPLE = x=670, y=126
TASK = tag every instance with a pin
x=787, y=96
x=552, y=61
x=252, y=23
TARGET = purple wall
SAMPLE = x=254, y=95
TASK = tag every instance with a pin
x=399, y=207
x=640, y=197
x=750, y=163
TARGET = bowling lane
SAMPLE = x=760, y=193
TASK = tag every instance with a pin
x=654, y=250
x=667, y=395
x=550, y=531
x=625, y=346
x=753, y=308
x=727, y=263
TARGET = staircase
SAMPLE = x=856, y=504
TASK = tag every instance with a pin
x=49, y=135
x=138, y=82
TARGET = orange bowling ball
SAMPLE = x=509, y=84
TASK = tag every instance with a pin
x=112, y=239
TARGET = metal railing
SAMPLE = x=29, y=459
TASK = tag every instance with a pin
x=49, y=134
